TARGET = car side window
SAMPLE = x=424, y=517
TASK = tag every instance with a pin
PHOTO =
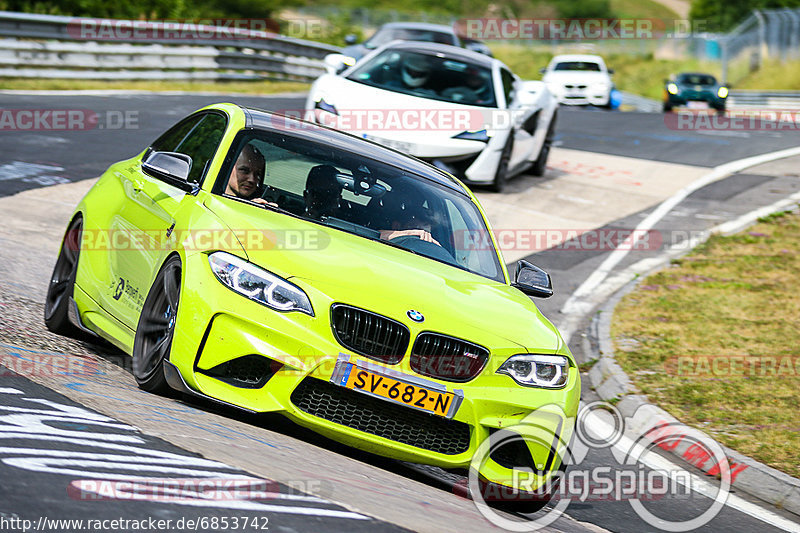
x=508, y=85
x=198, y=137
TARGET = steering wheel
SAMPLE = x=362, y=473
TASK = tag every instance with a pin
x=416, y=244
x=461, y=94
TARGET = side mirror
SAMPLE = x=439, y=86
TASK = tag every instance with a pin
x=168, y=164
x=542, y=70
x=610, y=71
x=532, y=280
x=350, y=39
x=336, y=63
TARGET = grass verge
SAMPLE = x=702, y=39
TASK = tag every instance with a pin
x=236, y=87
x=714, y=340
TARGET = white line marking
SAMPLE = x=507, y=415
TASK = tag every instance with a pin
x=698, y=484
x=585, y=298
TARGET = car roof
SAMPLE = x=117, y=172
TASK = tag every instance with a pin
x=589, y=58
x=453, y=52
x=266, y=121
x=419, y=26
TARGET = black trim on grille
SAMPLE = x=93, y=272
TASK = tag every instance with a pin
x=369, y=334
x=381, y=417
x=449, y=358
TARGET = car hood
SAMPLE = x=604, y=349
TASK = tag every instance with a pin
x=403, y=117
x=335, y=266
x=350, y=95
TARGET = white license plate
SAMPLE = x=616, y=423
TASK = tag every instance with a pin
x=697, y=105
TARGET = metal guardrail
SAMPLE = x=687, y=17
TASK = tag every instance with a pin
x=47, y=46
x=764, y=99
x=640, y=103
x=738, y=99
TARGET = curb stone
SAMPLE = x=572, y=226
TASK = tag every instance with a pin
x=611, y=383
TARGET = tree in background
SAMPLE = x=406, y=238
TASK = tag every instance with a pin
x=724, y=15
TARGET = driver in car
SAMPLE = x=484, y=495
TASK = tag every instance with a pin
x=247, y=176
x=415, y=70
x=323, y=194
x=405, y=215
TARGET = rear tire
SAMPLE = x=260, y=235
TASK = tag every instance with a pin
x=540, y=165
x=62, y=283
x=500, y=175
x=153, y=341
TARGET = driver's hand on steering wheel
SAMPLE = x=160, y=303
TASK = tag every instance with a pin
x=389, y=234
x=261, y=201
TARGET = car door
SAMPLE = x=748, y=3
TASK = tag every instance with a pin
x=524, y=120
x=144, y=224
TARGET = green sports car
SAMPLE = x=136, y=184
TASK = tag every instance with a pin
x=275, y=265
x=695, y=90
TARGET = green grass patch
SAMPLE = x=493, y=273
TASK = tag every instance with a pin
x=235, y=87
x=772, y=75
x=642, y=9
x=714, y=339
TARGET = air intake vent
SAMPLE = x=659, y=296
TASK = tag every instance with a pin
x=248, y=372
x=380, y=417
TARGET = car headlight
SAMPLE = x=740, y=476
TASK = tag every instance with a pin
x=722, y=92
x=672, y=88
x=481, y=135
x=257, y=284
x=546, y=371
x=325, y=106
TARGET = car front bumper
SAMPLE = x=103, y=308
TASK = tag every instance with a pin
x=217, y=326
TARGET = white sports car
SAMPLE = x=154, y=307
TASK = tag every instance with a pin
x=460, y=110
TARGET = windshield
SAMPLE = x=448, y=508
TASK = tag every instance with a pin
x=428, y=76
x=387, y=35
x=578, y=65
x=697, y=79
x=371, y=199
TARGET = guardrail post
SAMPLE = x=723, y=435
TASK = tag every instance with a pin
x=763, y=50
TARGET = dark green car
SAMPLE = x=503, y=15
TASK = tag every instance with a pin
x=690, y=87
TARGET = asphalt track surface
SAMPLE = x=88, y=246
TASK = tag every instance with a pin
x=48, y=157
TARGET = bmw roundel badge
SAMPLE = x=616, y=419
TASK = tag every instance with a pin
x=416, y=316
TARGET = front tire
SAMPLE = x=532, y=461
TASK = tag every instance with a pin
x=62, y=283
x=153, y=341
x=500, y=175
x=540, y=165
x=667, y=107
